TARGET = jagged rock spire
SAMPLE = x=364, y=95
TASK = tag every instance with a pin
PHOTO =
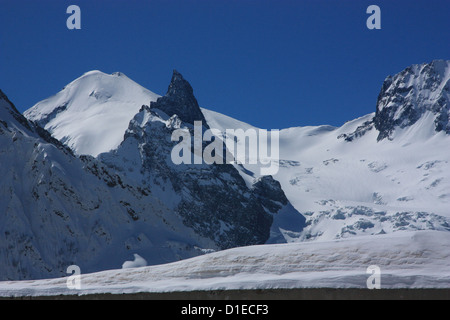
x=180, y=100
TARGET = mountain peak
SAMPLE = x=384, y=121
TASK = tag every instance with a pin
x=407, y=96
x=180, y=100
x=179, y=88
x=91, y=114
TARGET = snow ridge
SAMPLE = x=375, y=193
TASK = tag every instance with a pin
x=91, y=114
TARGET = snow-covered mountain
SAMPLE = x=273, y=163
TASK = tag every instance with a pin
x=213, y=199
x=91, y=114
x=384, y=172
x=418, y=92
x=60, y=209
x=375, y=176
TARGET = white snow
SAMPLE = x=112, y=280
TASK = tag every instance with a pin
x=98, y=110
x=323, y=175
x=138, y=262
x=406, y=259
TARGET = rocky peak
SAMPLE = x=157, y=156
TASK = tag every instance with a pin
x=407, y=96
x=180, y=100
x=179, y=87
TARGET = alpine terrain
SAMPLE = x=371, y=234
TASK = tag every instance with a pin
x=88, y=179
x=63, y=206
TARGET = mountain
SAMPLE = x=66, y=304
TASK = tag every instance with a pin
x=92, y=112
x=61, y=208
x=58, y=209
x=180, y=100
x=375, y=178
x=419, y=91
x=213, y=199
x=234, y=216
x=381, y=173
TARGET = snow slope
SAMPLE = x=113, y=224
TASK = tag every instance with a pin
x=349, y=182
x=91, y=114
x=406, y=260
x=364, y=186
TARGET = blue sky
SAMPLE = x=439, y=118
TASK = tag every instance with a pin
x=273, y=64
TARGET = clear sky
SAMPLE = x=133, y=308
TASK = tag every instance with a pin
x=271, y=63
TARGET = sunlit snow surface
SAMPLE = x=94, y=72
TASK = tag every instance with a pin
x=406, y=259
x=362, y=187
x=91, y=114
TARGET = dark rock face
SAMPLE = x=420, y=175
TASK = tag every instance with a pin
x=268, y=191
x=407, y=96
x=212, y=199
x=359, y=132
x=180, y=100
x=52, y=115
